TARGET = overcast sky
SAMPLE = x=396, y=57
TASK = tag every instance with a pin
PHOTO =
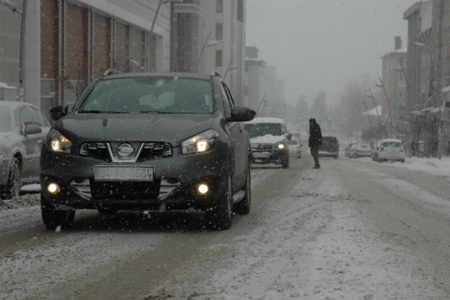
x=323, y=44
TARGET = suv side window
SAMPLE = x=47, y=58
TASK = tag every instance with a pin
x=227, y=103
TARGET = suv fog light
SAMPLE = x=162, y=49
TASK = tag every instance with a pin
x=202, y=188
x=53, y=188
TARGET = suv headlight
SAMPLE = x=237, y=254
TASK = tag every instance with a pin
x=279, y=146
x=200, y=143
x=57, y=142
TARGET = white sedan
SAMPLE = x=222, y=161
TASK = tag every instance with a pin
x=295, y=148
x=360, y=150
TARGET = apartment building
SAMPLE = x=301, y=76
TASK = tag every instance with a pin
x=69, y=43
x=224, y=30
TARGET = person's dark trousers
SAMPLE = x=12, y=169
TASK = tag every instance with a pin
x=315, y=155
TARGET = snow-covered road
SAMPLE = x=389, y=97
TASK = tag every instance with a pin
x=355, y=229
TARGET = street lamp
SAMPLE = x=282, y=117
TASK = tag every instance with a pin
x=205, y=44
x=260, y=103
x=13, y=8
x=388, y=102
x=375, y=105
x=229, y=68
x=156, y=13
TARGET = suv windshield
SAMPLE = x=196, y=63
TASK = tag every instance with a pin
x=262, y=129
x=150, y=95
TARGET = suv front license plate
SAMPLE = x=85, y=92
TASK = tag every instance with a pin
x=110, y=173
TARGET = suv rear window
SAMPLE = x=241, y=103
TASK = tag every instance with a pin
x=392, y=144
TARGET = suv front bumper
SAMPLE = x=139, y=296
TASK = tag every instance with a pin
x=175, y=182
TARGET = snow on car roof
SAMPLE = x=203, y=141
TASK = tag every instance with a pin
x=265, y=120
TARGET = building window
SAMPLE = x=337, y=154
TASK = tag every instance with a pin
x=240, y=11
x=218, y=31
x=219, y=6
x=218, y=58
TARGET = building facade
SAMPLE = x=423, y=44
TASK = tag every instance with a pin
x=225, y=24
x=69, y=43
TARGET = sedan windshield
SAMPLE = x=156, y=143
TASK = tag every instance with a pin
x=150, y=95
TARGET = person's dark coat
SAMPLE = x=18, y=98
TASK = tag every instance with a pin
x=315, y=134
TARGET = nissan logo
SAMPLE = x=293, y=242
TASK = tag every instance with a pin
x=125, y=150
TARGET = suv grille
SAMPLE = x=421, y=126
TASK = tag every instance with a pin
x=149, y=150
x=124, y=190
x=261, y=147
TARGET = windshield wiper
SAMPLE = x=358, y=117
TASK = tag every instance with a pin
x=154, y=112
x=93, y=111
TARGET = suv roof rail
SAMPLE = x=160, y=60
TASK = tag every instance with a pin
x=111, y=71
x=215, y=73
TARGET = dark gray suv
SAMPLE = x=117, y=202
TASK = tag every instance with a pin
x=148, y=142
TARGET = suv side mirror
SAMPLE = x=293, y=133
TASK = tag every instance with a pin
x=242, y=114
x=58, y=112
x=289, y=136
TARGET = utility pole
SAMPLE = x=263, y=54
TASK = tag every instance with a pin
x=437, y=86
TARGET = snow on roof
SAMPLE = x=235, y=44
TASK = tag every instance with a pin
x=265, y=120
x=445, y=90
x=268, y=138
x=4, y=85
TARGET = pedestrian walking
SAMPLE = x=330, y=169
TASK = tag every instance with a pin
x=315, y=140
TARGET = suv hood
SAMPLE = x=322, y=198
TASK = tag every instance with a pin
x=267, y=139
x=173, y=128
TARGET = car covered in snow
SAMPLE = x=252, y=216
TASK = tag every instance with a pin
x=22, y=131
x=329, y=147
x=270, y=141
x=360, y=150
x=148, y=141
x=389, y=149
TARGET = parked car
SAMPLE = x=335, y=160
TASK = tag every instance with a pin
x=22, y=131
x=360, y=150
x=269, y=139
x=389, y=149
x=148, y=141
x=347, y=148
x=295, y=147
x=329, y=147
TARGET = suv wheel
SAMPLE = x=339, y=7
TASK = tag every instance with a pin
x=14, y=178
x=220, y=216
x=243, y=207
x=53, y=218
x=285, y=162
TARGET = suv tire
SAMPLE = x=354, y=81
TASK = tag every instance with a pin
x=285, y=162
x=243, y=206
x=220, y=216
x=53, y=218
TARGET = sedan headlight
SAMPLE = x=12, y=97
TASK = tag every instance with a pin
x=57, y=142
x=200, y=143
